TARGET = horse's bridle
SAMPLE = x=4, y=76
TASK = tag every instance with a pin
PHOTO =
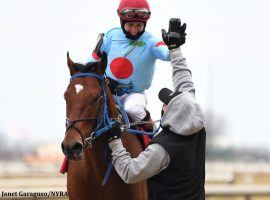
x=103, y=125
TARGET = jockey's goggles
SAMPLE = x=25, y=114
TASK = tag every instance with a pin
x=127, y=14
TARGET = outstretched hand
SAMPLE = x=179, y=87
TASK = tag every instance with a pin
x=176, y=36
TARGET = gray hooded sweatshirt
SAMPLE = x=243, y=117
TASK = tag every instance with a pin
x=184, y=117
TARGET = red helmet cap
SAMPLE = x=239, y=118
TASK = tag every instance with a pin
x=135, y=5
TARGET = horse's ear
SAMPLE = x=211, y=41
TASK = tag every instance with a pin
x=70, y=64
x=103, y=62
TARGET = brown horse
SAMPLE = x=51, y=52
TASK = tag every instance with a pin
x=88, y=98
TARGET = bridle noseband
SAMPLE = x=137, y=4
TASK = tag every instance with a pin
x=71, y=124
x=103, y=125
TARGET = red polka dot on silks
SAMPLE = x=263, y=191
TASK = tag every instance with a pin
x=121, y=68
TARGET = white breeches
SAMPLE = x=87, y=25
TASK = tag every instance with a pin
x=135, y=105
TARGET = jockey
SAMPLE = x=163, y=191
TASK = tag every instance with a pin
x=131, y=54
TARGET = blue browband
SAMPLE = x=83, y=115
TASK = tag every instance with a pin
x=102, y=77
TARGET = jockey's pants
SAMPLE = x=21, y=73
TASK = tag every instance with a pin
x=135, y=105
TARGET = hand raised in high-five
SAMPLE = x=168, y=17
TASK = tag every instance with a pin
x=176, y=35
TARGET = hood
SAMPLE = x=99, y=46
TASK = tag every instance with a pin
x=184, y=115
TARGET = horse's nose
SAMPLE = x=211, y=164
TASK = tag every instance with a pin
x=72, y=151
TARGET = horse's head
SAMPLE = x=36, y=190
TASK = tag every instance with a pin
x=84, y=104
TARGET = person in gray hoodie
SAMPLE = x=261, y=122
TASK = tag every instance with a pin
x=174, y=161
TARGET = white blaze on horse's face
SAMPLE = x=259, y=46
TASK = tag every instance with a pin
x=79, y=88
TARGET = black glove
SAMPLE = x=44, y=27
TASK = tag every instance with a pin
x=114, y=132
x=176, y=35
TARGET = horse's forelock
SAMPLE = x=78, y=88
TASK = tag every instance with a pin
x=79, y=67
x=89, y=67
